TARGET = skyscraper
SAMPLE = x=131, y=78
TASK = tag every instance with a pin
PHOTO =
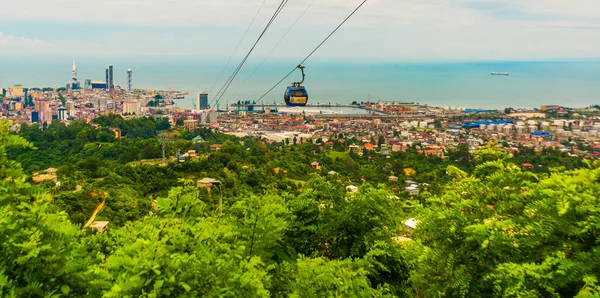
x=74, y=84
x=129, y=79
x=202, y=101
x=109, y=78
x=111, y=84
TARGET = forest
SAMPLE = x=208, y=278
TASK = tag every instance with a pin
x=277, y=226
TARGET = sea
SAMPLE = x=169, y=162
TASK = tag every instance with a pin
x=530, y=84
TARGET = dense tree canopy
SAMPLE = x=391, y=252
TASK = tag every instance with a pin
x=485, y=227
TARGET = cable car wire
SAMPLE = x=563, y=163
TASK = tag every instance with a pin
x=237, y=47
x=228, y=82
x=237, y=70
x=232, y=77
x=313, y=51
x=276, y=45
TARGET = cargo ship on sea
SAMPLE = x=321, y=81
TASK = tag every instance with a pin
x=499, y=73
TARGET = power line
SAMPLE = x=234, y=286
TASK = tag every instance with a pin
x=313, y=51
x=277, y=45
x=237, y=47
x=237, y=70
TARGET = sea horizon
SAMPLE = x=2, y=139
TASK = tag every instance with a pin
x=467, y=84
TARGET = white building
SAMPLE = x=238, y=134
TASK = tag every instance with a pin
x=131, y=107
x=352, y=188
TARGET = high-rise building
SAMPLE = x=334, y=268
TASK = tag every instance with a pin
x=131, y=108
x=42, y=106
x=111, y=83
x=62, y=114
x=35, y=117
x=108, y=73
x=70, y=106
x=202, y=101
x=102, y=102
x=212, y=117
x=74, y=84
x=17, y=91
x=129, y=79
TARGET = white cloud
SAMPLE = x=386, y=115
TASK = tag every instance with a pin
x=239, y=12
x=399, y=29
x=8, y=40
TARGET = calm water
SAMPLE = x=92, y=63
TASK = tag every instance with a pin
x=314, y=110
x=530, y=84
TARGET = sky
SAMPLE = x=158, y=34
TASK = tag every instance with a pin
x=399, y=30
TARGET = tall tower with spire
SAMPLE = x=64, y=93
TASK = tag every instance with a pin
x=74, y=83
x=74, y=71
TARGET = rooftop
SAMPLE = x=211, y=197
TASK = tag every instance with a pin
x=209, y=181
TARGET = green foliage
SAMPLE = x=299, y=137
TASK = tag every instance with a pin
x=503, y=233
x=485, y=227
x=168, y=257
x=36, y=240
x=63, y=100
x=262, y=223
x=322, y=278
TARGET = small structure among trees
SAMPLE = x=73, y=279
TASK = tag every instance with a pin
x=99, y=226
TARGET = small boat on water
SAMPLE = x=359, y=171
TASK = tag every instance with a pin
x=499, y=73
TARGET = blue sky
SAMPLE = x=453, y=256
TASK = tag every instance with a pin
x=402, y=30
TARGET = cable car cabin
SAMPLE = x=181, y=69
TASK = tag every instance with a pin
x=296, y=96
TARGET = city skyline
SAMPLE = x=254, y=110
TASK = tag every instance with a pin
x=386, y=29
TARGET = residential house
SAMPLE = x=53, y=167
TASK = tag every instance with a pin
x=385, y=149
x=190, y=124
x=411, y=224
x=430, y=152
x=207, y=183
x=99, y=226
x=315, y=165
x=413, y=190
x=352, y=189
x=527, y=166
x=191, y=154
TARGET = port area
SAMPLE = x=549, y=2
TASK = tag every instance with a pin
x=329, y=109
